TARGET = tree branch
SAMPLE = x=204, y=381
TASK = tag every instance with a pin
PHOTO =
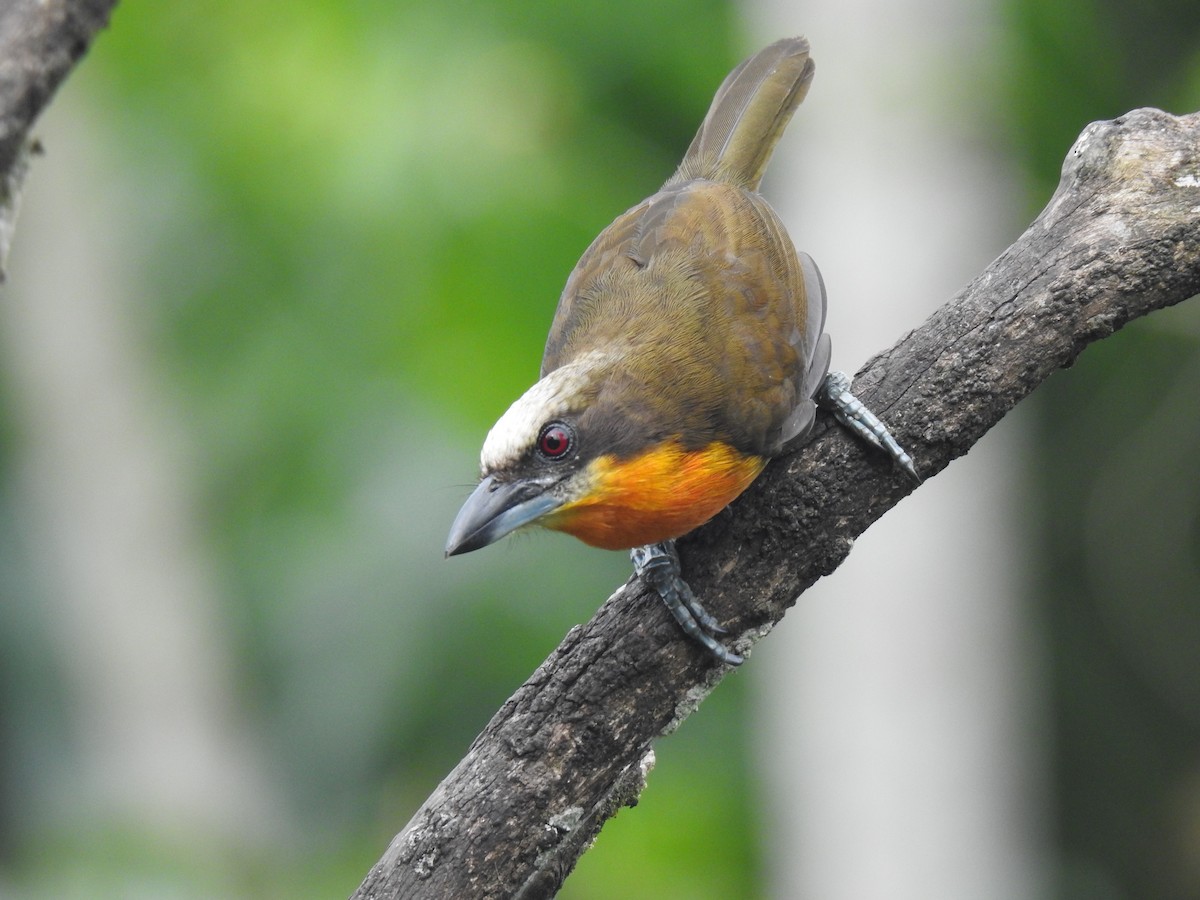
x=40, y=42
x=1119, y=239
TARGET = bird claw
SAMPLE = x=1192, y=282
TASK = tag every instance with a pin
x=658, y=566
x=834, y=395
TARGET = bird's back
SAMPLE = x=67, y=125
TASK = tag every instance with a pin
x=698, y=286
x=698, y=292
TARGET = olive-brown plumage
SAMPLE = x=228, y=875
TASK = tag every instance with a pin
x=698, y=305
x=686, y=350
x=696, y=296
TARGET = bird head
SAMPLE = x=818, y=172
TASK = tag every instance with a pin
x=590, y=451
x=531, y=462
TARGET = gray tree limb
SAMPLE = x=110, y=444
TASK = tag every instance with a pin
x=40, y=42
x=1120, y=238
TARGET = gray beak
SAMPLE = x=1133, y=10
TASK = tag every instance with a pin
x=496, y=508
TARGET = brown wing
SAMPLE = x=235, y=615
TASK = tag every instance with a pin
x=702, y=320
x=698, y=302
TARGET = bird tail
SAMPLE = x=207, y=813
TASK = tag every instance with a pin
x=748, y=114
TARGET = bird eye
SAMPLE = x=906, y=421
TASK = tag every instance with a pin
x=555, y=440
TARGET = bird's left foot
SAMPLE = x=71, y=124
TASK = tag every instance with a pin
x=658, y=566
x=834, y=395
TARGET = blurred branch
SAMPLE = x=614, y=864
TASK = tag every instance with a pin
x=40, y=42
x=1119, y=239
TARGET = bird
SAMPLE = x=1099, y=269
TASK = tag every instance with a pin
x=688, y=349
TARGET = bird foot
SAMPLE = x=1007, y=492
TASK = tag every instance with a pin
x=658, y=566
x=834, y=395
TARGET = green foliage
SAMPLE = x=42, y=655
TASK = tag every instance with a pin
x=1118, y=439
x=351, y=224
x=1076, y=61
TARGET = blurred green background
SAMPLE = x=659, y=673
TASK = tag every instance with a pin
x=339, y=230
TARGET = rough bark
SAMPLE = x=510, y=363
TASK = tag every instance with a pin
x=1119, y=239
x=40, y=42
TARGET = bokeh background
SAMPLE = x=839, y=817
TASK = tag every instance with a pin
x=281, y=267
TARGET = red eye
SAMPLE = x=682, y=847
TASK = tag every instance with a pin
x=555, y=440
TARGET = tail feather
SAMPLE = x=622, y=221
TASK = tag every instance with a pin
x=748, y=115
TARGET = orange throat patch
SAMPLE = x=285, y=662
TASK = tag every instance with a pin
x=661, y=494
